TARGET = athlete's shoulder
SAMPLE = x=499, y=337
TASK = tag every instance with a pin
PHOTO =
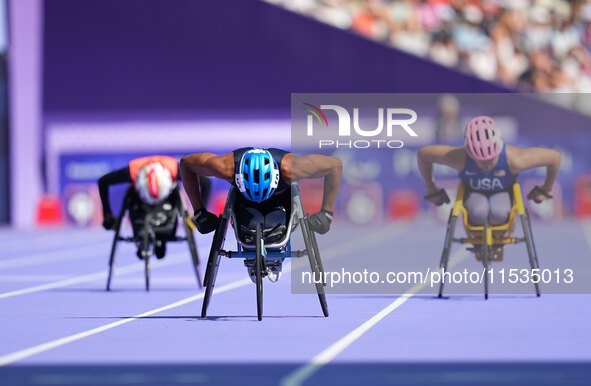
x=455, y=157
x=221, y=163
x=278, y=152
x=513, y=150
x=457, y=151
x=242, y=150
x=515, y=157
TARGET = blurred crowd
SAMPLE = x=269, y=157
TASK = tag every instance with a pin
x=529, y=45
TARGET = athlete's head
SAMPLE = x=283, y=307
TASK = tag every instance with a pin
x=483, y=139
x=258, y=175
x=154, y=183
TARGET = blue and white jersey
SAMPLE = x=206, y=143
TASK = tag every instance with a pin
x=498, y=179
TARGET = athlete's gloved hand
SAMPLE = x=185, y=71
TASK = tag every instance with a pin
x=109, y=221
x=539, y=194
x=320, y=221
x=437, y=196
x=205, y=221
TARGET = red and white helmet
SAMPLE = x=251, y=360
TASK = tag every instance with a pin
x=483, y=139
x=154, y=183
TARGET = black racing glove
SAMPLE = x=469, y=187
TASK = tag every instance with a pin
x=109, y=221
x=320, y=221
x=205, y=221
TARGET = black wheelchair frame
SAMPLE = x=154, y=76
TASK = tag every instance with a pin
x=147, y=229
x=261, y=252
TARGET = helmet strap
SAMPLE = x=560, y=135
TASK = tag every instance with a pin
x=240, y=183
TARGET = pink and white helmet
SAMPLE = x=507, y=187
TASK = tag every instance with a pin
x=483, y=139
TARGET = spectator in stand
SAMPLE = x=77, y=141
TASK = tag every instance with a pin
x=540, y=45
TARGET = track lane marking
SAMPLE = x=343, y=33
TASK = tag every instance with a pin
x=39, y=258
x=54, y=242
x=7, y=359
x=124, y=270
x=28, y=352
x=302, y=373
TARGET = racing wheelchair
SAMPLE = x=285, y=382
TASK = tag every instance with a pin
x=153, y=225
x=487, y=241
x=264, y=243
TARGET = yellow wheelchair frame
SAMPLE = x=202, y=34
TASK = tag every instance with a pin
x=485, y=237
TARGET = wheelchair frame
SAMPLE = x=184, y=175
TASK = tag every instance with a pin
x=261, y=252
x=148, y=239
x=485, y=237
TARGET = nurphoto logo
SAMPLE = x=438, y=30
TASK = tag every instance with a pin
x=395, y=119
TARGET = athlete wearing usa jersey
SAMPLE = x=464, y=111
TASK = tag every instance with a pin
x=488, y=168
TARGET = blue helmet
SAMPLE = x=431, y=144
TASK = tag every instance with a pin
x=258, y=175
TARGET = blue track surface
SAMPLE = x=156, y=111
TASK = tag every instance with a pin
x=59, y=326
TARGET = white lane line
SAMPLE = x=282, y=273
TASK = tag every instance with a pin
x=305, y=371
x=25, y=353
x=124, y=270
x=28, y=278
x=54, y=256
x=22, y=354
x=57, y=241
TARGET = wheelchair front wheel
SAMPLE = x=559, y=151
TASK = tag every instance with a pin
x=258, y=271
x=486, y=251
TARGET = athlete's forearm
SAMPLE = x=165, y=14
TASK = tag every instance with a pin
x=115, y=177
x=317, y=166
x=426, y=169
x=552, y=169
x=332, y=185
x=191, y=183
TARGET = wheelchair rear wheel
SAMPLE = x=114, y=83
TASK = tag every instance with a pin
x=449, y=234
x=531, y=248
x=192, y=247
x=114, y=247
x=317, y=271
x=258, y=271
x=146, y=250
x=213, y=263
x=317, y=255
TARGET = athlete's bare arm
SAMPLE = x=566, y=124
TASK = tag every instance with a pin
x=295, y=168
x=454, y=157
x=208, y=165
x=522, y=159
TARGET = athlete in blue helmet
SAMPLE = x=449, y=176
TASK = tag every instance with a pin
x=261, y=175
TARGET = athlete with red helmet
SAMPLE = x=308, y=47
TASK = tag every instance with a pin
x=153, y=179
x=488, y=168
